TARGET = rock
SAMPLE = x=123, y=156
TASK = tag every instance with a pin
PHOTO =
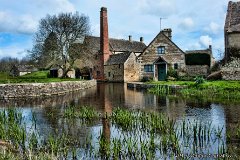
x=215, y=76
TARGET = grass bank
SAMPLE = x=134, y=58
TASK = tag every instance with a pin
x=210, y=90
x=36, y=77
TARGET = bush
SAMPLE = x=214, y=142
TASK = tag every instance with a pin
x=199, y=80
x=172, y=73
x=146, y=79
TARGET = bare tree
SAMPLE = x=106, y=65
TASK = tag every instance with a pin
x=55, y=39
x=6, y=63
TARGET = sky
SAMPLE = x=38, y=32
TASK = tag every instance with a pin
x=195, y=24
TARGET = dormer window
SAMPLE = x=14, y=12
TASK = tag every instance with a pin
x=161, y=50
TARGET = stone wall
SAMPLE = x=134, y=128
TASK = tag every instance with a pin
x=197, y=70
x=114, y=72
x=231, y=71
x=42, y=89
x=131, y=69
x=232, y=40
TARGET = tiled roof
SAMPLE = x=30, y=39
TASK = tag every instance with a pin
x=232, y=22
x=118, y=58
x=117, y=45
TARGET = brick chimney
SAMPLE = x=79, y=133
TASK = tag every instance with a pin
x=104, y=41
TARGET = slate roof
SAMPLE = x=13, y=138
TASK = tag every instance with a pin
x=25, y=68
x=232, y=22
x=117, y=45
x=205, y=51
x=118, y=58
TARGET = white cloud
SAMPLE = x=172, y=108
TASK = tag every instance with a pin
x=26, y=21
x=158, y=7
x=186, y=23
x=56, y=6
x=17, y=23
x=205, y=41
x=213, y=28
x=13, y=51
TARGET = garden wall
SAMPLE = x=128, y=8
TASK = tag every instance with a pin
x=42, y=89
x=197, y=70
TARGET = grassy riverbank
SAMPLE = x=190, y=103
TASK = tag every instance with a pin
x=215, y=90
x=36, y=77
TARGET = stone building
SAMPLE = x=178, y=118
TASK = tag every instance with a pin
x=20, y=70
x=122, y=67
x=231, y=68
x=113, y=55
x=161, y=55
x=199, y=62
x=232, y=29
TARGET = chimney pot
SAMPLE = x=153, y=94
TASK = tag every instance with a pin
x=130, y=38
x=141, y=39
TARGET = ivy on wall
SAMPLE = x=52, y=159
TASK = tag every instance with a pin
x=198, y=59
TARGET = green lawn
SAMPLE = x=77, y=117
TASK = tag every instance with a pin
x=225, y=85
x=209, y=90
x=35, y=77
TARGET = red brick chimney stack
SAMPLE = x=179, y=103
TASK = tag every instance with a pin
x=104, y=41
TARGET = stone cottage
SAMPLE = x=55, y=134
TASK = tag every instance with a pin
x=122, y=67
x=161, y=55
x=20, y=70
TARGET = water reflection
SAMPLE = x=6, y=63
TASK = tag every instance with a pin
x=104, y=97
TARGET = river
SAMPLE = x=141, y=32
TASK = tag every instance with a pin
x=106, y=96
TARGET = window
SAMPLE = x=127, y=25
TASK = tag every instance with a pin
x=98, y=73
x=119, y=66
x=161, y=50
x=109, y=74
x=148, y=68
x=175, y=66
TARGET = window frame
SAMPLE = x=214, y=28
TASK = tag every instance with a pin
x=148, y=68
x=161, y=50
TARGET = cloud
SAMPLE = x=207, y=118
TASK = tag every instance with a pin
x=213, y=28
x=205, y=41
x=13, y=51
x=17, y=23
x=186, y=23
x=55, y=6
x=26, y=20
x=158, y=7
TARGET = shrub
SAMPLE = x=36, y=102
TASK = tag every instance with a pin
x=199, y=80
x=146, y=79
x=172, y=73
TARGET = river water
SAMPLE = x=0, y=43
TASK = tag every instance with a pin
x=106, y=96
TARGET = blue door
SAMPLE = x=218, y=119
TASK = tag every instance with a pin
x=162, y=72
